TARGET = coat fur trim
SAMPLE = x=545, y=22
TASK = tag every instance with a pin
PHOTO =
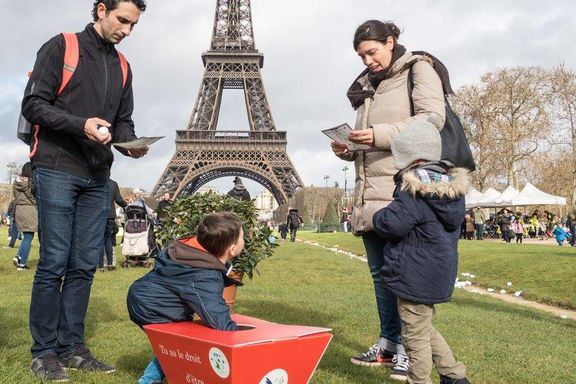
x=452, y=189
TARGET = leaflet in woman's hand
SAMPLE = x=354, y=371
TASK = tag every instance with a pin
x=340, y=135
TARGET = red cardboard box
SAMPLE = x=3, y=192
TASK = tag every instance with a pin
x=260, y=353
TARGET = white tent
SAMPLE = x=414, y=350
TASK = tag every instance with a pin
x=531, y=195
x=485, y=199
x=474, y=198
x=506, y=197
x=490, y=196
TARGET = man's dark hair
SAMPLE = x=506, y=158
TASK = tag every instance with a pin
x=113, y=4
x=218, y=231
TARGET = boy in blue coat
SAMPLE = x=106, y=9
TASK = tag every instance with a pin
x=422, y=227
x=188, y=278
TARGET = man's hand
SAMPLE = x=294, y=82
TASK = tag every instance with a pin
x=138, y=152
x=91, y=130
x=363, y=136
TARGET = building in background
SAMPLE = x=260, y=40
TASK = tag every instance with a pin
x=266, y=204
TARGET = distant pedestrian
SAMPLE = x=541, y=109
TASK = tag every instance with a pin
x=25, y=216
x=13, y=233
x=518, y=228
x=469, y=226
x=559, y=233
x=283, y=229
x=239, y=192
x=111, y=227
x=293, y=222
x=479, y=221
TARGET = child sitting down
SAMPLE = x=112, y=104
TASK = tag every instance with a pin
x=422, y=228
x=188, y=278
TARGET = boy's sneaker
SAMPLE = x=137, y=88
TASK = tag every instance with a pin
x=81, y=358
x=400, y=369
x=449, y=380
x=22, y=267
x=49, y=368
x=374, y=357
x=16, y=261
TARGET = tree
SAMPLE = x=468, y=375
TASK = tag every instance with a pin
x=563, y=98
x=507, y=118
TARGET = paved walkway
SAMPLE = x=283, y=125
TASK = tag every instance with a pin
x=556, y=311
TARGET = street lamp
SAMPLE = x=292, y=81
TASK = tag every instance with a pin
x=326, y=178
x=345, y=182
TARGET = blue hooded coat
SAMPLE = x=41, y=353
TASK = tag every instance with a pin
x=422, y=226
x=185, y=280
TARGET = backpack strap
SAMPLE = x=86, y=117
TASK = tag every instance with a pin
x=410, y=84
x=71, y=56
x=123, y=67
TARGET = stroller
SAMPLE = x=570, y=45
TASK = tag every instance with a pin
x=139, y=239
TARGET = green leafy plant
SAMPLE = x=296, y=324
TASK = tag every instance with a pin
x=183, y=216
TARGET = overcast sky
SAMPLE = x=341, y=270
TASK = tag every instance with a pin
x=309, y=64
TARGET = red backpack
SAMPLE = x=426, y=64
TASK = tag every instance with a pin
x=71, y=56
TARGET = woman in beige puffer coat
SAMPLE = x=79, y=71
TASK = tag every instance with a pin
x=380, y=95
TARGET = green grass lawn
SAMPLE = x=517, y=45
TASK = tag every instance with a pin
x=303, y=284
x=543, y=273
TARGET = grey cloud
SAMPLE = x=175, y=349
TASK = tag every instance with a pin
x=309, y=62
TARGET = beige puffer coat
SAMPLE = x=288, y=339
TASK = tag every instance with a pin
x=388, y=113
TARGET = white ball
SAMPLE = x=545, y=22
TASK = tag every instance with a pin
x=509, y=283
x=103, y=130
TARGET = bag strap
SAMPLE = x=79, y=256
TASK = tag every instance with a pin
x=123, y=67
x=71, y=57
x=410, y=85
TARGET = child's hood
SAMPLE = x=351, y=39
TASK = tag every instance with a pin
x=442, y=189
x=190, y=253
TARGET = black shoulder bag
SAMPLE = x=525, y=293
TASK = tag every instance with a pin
x=455, y=147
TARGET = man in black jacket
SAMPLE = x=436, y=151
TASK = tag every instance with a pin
x=71, y=157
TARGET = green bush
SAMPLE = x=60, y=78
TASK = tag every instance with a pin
x=183, y=217
x=330, y=221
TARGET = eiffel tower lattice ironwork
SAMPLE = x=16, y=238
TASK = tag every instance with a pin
x=204, y=153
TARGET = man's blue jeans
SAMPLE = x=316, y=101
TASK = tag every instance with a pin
x=71, y=216
x=386, y=301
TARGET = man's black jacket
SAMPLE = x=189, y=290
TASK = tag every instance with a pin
x=95, y=90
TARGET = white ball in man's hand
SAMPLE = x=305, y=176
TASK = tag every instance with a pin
x=103, y=130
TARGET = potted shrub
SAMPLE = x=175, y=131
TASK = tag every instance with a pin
x=183, y=216
x=182, y=219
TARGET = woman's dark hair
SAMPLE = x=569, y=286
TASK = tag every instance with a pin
x=26, y=170
x=376, y=30
x=113, y=4
x=218, y=231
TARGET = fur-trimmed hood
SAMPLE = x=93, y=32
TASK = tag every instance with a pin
x=441, y=188
x=424, y=181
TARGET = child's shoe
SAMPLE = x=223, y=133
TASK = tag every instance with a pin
x=449, y=380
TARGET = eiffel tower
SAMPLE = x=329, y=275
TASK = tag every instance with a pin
x=204, y=153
